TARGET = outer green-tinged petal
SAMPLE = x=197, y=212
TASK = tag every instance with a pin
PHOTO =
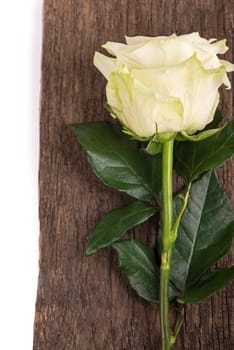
x=105, y=64
x=196, y=87
x=139, y=108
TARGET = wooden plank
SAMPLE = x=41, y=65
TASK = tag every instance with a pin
x=84, y=303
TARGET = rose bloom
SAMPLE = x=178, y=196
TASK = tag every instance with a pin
x=164, y=84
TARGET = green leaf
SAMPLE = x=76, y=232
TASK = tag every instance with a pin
x=118, y=162
x=115, y=223
x=205, y=232
x=208, y=285
x=191, y=159
x=137, y=261
x=218, y=117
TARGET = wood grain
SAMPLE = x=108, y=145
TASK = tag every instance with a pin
x=84, y=303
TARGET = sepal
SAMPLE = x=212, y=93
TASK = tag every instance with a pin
x=110, y=110
x=153, y=147
x=134, y=136
x=184, y=136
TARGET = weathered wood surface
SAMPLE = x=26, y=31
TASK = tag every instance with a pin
x=84, y=303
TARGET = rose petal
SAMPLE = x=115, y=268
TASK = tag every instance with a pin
x=195, y=86
x=139, y=108
x=105, y=64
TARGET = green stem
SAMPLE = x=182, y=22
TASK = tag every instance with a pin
x=167, y=241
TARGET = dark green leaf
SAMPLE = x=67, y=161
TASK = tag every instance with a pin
x=115, y=223
x=191, y=159
x=205, y=233
x=208, y=285
x=137, y=261
x=118, y=162
x=218, y=117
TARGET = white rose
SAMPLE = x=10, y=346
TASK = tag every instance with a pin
x=164, y=84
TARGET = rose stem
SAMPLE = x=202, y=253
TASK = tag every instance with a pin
x=167, y=243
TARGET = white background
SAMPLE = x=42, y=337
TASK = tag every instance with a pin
x=20, y=56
